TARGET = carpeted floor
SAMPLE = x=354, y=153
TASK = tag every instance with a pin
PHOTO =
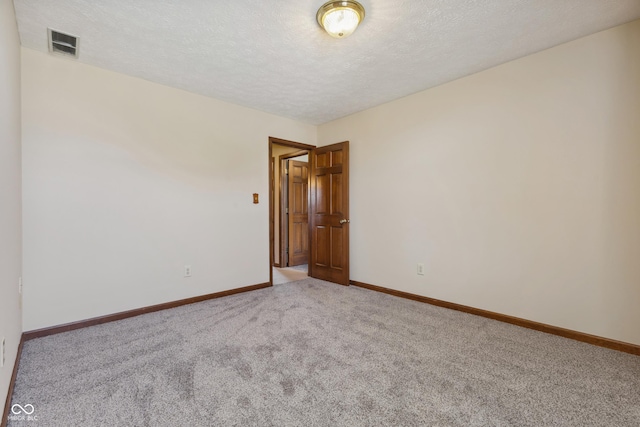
x=310, y=353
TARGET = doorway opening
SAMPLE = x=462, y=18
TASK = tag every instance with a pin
x=326, y=199
x=288, y=210
x=293, y=226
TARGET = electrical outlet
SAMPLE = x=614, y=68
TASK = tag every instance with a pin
x=187, y=271
x=420, y=269
x=3, y=345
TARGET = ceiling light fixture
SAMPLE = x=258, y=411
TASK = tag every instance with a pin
x=340, y=18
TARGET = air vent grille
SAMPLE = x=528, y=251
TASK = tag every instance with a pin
x=63, y=44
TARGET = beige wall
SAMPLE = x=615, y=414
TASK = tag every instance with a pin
x=127, y=181
x=10, y=192
x=518, y=187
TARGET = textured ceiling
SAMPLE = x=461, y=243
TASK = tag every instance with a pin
x=272, y=56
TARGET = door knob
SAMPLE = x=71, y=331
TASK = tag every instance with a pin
x=343, y=221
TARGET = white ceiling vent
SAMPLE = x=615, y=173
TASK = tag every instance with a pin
x=63, y=44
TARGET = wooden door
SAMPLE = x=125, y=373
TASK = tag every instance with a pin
x=329, y=213
x=298, y=179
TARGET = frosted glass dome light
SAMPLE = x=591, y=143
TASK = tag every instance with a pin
x=340, y=18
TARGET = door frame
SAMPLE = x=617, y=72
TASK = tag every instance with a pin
x=286, y=143
x=284, y=202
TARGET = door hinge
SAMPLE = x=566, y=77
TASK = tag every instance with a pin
x=286, y=210
x=286, y=171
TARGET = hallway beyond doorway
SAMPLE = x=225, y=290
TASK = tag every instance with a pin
x=290, y=274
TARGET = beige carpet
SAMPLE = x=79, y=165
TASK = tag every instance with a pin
x=312, y=353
